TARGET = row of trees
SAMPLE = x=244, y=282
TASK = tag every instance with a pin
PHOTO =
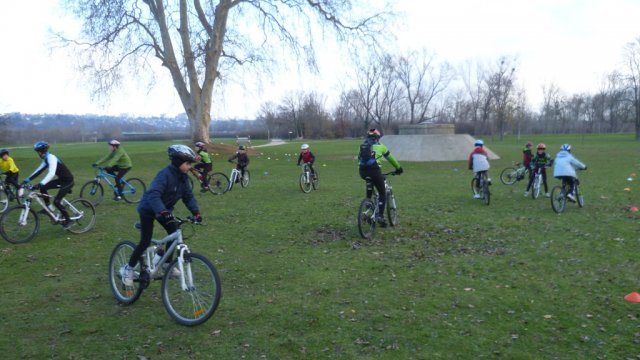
x=480, y=99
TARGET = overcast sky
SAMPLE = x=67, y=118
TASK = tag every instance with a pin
x=571, y=43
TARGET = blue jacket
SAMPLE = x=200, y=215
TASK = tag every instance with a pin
x=566, y=165
x=169, y=186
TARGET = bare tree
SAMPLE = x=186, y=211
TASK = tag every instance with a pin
x=632, y=60
x=501, y=85
x=200, y=42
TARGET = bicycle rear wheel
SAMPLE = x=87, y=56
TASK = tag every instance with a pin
x=366, y=218
x=4, y=200
x=119, y=258
x=218, y=183
x=194, y=305
x=509, y=176
x=245, y=179
x=486, y=193
x=558, y=199
x=11, y=228
x=92, y=191
x=305, y=185
x=133, y=190
x=391, y=208
x=83, y=215
x=315, y=180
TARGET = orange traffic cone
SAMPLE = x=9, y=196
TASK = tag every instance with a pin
x=633, y=297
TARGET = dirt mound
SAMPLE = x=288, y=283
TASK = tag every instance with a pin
x=445, y=147
x=227, y=149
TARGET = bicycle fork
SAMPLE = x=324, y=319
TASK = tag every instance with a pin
x=186, y=278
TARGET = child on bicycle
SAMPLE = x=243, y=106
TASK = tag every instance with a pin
x=242, y=160
x=169, y=185
x=117, y=163
x=540, y=161
x=565, y=168
x=479, y=163
x=64, y=181
x=9, y=168
x=202, y=169
x=369, y=162
x=307, y=157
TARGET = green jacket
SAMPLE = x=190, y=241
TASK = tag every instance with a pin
x=204, y=157
x=118, y=158
x=380, y=151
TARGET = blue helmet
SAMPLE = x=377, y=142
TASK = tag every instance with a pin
x=41, y=146
x=3, y=151
x=479, y=142
x=565, y=147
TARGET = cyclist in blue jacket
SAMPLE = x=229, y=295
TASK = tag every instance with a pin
x=170, y=185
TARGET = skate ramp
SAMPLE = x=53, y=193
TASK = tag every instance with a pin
x=445, y=147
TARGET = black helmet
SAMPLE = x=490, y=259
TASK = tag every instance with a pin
x=181, y=153
x=241, y=147
x=3, y=151
x=41, y=146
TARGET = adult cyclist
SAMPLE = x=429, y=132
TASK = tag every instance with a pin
x=370, y=162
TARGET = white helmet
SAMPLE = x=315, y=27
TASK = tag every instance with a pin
x=304, y=146
x=114, y=142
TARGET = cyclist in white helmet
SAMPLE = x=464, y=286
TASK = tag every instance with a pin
x=478, y=162
x=307, y=157
x=565, y=167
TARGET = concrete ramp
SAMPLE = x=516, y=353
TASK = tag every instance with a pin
x=445, y=147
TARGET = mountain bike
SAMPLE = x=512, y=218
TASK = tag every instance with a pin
x=559, y=196
x=368, y=211
x=8, y=193
x=481, y=187
x=236, y=176
x=511, y=175
x=537, y=183
x=308, y=181
x=93, y=190
x=20, y=223
x=190, y=298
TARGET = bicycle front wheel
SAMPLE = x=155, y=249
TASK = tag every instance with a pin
x=509, y=176
x=218, y=183
x=245, y=179
x=4, y=200
x=579, y=197
x=391, y=208
x=558, y=199
x=305, y=185
x=195, y=304
x=92, y=191
x=366, y=218
x=133, y=190
x=119, y=258
x=535, y=193
x=17, y=225
x=83, y=215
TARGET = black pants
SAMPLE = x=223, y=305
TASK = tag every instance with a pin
x=204, y=170
x=65, y=188
x=570, y=180
x=146, y=232
x=119, y=173
x=374, y=176
x=12, y=178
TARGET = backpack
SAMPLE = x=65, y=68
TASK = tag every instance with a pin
x=367, y=156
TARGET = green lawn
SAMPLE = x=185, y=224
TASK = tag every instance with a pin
x=456, y=279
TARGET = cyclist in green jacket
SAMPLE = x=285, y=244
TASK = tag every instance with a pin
x=117, y=163
x=202, y=169
x=370, y=161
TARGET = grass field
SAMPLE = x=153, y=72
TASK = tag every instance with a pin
x=456, y=279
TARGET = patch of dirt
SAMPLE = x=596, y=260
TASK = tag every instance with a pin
x=228, y=149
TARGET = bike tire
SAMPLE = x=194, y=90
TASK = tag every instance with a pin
x=92, y=191
x=315, y=180
x=509, y=176
x=305, y=186
x=558, y=199
x=486, y=193
x=366, y=218
x=197, y=304
x=119, y=257
x=391, y=208
x=84, y=221
x=537, y=183
x=218, y=183
x=4, y=200
x=12, y=231
x=579, y=197
x=245, y=179
x=133, y=190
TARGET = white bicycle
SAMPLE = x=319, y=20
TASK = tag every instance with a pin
x=20, y=223
x=190, y=298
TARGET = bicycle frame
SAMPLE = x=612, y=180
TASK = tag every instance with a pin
x=39, y=199
x=186, y=278
x=101, y=174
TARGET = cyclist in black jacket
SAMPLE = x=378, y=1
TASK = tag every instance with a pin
x=63, y=182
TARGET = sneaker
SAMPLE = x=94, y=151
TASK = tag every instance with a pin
x=67, y=224
x=175, y=272
x=117, y=198
x=126, y=273
x=204, y=189
x=571, y=197
x=476, y=196
x=526, y=193
x=381, y=221
x=547, y=195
